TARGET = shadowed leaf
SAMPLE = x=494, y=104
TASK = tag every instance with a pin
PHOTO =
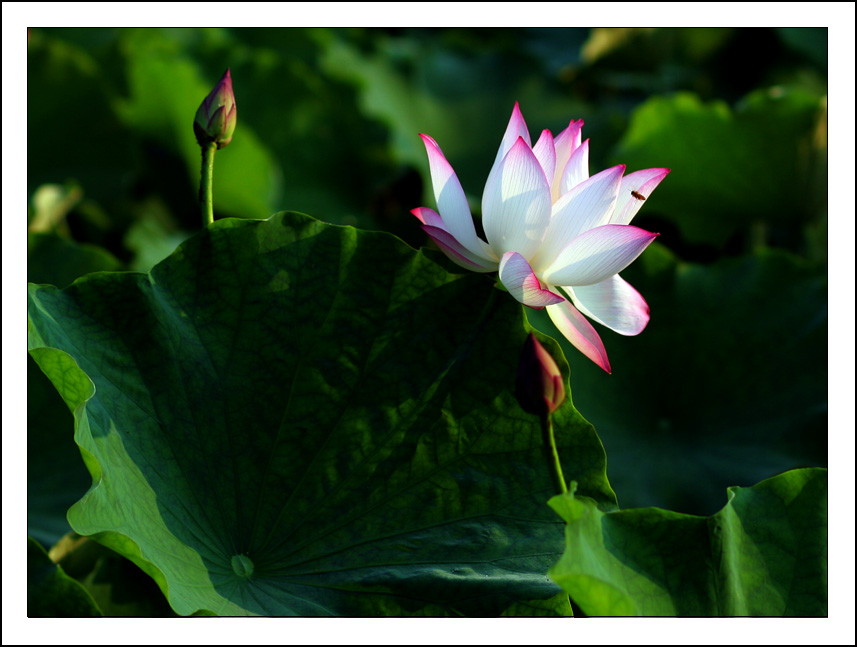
x=290, y=418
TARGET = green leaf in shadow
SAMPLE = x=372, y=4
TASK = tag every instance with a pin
x=293, y=418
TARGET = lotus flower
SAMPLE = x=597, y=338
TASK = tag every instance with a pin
x=217, y=115
x=558, y=237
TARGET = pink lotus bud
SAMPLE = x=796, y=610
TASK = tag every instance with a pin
x=539, y=389
x=216, y=118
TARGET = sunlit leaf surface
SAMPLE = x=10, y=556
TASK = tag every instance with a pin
x=763, y=554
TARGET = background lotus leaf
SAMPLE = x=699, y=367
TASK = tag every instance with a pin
x=763, y=554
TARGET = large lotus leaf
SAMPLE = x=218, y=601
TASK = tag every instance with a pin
x=50, y=592
x=55, y=476
x=286, y=417
x=726, y=386
x=763, y=554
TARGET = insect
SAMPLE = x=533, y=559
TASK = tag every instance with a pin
x=639, y=196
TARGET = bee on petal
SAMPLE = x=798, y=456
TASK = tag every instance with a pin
x=639, y=196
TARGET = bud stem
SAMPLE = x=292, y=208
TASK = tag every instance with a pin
x=206, y=182
x=552, y=456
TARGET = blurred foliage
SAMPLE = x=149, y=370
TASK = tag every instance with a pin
x=51, y=593
x=328, y=124
x=118, y=586
x=727, y=386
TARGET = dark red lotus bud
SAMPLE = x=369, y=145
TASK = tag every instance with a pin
x=540, y=388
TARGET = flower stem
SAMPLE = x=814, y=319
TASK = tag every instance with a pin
x=552, y=455
x=206, y=181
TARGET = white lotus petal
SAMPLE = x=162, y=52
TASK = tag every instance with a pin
x=429, y=217
x=546, y=154
x=451, y=201
x=640, y=182
x=565, y=144
x=517, y=128
x=516, y=207
x=588, y=205
x=612, y=303
x=457, y=253
x=597, y=254
x=577, y=330
x=577, y=169
x=519, y=279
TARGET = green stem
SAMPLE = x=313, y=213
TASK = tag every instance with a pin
x=552, y=455
x=206, y=182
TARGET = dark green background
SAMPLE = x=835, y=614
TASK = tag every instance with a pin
x=727, y=385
